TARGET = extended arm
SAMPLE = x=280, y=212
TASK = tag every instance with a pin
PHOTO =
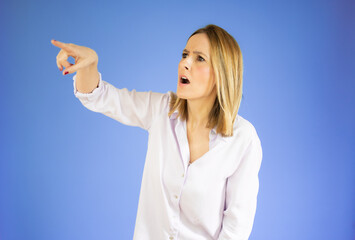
x=128, y=107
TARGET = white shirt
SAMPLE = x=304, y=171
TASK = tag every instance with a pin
x=215, y=197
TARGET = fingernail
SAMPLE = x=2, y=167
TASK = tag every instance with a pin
x=66, y=73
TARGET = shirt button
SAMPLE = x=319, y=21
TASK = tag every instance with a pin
x=182, y=175
x=171, y=237
x=176, y=196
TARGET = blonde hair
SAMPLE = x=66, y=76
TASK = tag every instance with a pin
x=227, y=64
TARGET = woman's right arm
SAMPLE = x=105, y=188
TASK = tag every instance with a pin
x=128, y=107
x=132, y=108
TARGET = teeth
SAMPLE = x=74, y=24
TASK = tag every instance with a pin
x=185, y=80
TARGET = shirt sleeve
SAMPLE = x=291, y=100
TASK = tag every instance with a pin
x=241, y=195
x=131, y=108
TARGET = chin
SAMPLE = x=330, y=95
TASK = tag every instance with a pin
x=182, y=93
x=182, y=96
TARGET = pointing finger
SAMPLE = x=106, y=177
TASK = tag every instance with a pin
x=62, y=45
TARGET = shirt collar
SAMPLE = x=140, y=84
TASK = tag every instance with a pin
x=213, y=131
x=174, y=114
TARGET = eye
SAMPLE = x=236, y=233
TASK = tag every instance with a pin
x=201, y=59
x=184, y=55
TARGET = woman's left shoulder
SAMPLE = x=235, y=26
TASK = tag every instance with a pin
x=243, y=128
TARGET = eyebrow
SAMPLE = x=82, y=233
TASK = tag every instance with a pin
x=196, y=52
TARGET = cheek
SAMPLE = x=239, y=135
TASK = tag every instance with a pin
x=204, y=72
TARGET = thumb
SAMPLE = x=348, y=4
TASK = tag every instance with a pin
x=75, y=67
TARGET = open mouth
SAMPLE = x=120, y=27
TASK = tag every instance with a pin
x=184, y=80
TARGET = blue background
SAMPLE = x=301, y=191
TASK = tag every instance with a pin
x=69, y=173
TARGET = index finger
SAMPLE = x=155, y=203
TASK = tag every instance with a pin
x=61, y=45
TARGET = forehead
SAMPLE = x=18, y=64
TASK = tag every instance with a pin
x=198, y=42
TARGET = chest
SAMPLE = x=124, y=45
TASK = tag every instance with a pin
x=198, y=144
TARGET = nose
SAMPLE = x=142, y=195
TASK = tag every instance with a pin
x=187, y=64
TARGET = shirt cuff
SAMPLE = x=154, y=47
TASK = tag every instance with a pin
x=96, y=92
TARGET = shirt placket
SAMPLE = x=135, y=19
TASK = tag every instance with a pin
x=181, y=133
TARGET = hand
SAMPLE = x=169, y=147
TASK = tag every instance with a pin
x=84, y=57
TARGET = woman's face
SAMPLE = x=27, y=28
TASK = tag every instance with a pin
x=195, y=65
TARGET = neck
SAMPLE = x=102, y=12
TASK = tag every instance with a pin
x=198, y=111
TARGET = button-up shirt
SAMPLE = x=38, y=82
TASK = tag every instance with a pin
x=214, y=197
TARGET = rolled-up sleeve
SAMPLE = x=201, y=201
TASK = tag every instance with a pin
x=131, y=108
x=241, y=194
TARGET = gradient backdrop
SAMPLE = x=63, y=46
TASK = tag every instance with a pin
x=68, y=173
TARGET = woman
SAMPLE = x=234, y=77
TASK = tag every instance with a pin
x=200, y=178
